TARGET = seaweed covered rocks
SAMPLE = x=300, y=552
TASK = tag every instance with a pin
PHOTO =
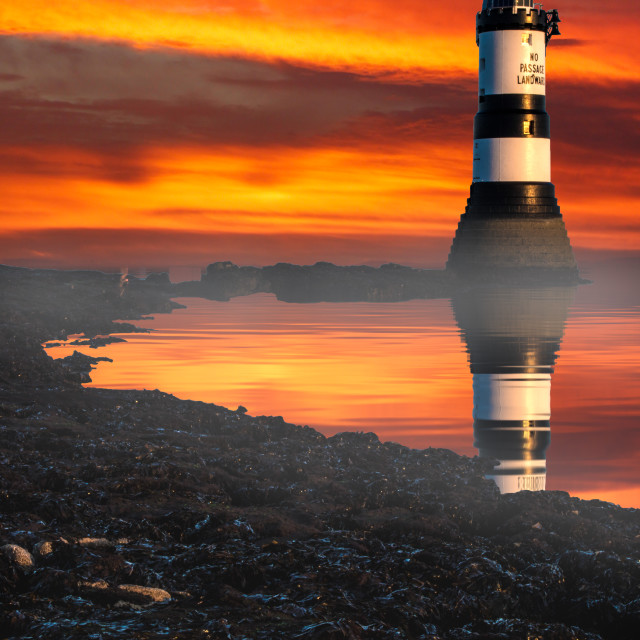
x=139, y=515
x=136, y=515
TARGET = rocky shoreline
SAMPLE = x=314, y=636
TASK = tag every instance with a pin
x=133, y=514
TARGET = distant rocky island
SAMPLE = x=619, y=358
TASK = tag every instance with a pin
x=321, y=282
x=326, y=282
x=132, y=514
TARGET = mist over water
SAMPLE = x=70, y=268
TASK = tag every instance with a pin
x=410, y=372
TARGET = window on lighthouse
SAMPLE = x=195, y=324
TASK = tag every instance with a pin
x=500, y=4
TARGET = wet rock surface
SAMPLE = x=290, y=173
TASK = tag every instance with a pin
x=145, y=516
x=18, y=556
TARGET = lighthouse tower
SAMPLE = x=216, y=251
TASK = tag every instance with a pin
x=512, y=224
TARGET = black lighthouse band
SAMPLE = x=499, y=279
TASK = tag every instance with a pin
x=511, y=124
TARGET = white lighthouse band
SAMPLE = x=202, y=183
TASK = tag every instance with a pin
x=511, y=128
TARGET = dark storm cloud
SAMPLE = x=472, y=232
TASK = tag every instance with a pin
x=595, y=138
x=601, y=118
x=568, y=42
x=114, y=166
x=151, y=248
x=114, y=101
x=446, y=124
x=105, y=96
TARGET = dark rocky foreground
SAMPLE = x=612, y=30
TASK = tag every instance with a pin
x=132, y=514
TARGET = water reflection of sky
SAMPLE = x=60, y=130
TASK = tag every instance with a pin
x=398, y=369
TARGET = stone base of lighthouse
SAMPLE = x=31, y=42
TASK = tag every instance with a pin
x=512, y=230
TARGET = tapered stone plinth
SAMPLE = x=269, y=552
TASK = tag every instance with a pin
x=512, y=231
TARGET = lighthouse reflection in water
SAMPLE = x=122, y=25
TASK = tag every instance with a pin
x=512, y=336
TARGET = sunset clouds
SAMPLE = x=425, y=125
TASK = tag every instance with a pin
x=324, y=124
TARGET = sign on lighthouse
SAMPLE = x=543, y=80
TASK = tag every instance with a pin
x=511, y=177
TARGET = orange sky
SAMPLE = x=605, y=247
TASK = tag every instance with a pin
x=148, y=132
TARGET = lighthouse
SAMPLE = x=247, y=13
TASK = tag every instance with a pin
x=512, y=225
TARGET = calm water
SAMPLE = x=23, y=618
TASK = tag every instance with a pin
x=404, y=371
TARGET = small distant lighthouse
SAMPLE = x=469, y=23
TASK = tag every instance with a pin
x=512, y=224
